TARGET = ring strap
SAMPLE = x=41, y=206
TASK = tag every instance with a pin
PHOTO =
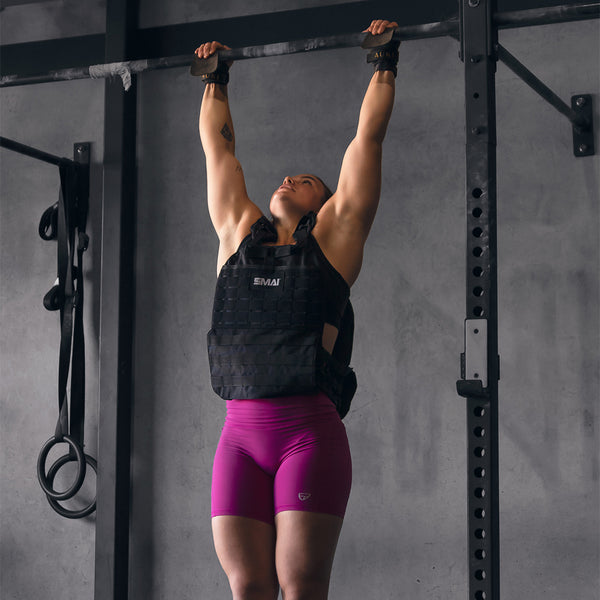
x=66, y=221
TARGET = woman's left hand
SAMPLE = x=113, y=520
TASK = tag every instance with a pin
x=379, y=26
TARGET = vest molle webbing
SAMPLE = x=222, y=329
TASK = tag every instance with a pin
x=271, y=304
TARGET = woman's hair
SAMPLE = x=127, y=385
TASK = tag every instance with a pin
x=328, y=192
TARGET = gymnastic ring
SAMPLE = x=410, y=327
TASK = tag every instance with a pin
x=41, y=467
x=61, y=510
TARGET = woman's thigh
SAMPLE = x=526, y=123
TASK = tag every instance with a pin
x=246, y=550
x=305, y=550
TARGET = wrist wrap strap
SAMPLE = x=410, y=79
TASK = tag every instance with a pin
x=385, y=58
x=220, y=75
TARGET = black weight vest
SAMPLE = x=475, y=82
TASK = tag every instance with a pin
x=271, y=304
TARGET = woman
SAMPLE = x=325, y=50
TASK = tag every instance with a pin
x=280, y=346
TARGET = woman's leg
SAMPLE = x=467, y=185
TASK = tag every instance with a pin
x=311, y=490
x=306, y=544
x=246, y=551
x=242, y=511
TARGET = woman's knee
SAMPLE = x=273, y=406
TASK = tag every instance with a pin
x=306, y=545
x=303, y=588
x=253, y=586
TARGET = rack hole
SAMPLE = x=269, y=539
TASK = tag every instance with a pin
x=477, y=251
x=479, y=493
x=480, y=554
x=477, y=232
x=480, y=514
x=477, y=212
x=479, y=432
x=479, y=472
x=476, y=95
x=480, y=574
x=478, y=291
x=477, y=193
x=480, y=534
x=479, y=452
x=480, y=595
x=479, y=411
x=478, y=271
x=478, y=311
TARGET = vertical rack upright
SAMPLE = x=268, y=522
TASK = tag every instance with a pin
x=480, y=363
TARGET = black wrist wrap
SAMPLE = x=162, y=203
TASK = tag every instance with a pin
x=385, y=58
x=220, y=75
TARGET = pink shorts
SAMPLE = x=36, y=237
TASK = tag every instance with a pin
x=279, y=454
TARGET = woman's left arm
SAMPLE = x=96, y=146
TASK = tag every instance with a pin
x=345, y=220
x=359, y=185
x=357, y=194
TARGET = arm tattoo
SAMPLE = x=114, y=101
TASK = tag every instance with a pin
x=226, y=133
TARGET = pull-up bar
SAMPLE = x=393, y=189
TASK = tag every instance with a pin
x=450, y=27
x=546, y=16
x=333, y=42
x=127, y=68
x=122, y=69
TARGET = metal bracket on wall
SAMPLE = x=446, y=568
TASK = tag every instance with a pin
x=579, y=113
x=81, y=155
x=583, y=135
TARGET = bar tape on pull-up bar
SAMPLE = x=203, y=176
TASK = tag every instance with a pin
x=122, y=69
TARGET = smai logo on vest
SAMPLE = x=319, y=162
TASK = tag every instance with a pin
x=269, y=283
x=266, y=281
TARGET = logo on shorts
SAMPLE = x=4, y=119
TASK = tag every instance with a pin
x=304, y=496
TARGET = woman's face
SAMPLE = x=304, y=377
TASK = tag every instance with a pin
x=300, y=193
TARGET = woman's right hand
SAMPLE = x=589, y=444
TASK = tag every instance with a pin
x=207, y=49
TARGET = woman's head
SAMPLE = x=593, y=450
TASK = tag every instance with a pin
x=300, y=194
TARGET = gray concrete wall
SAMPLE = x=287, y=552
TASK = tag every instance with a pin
x=405, y=532
x=51, y=19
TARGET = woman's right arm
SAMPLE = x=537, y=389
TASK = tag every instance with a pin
x=231, y=210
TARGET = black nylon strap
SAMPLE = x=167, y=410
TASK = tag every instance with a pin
x=66, y=221
x=78, y=358
x=65, y=298
x=63, y=221
x=236, y=339
x=49, y=223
